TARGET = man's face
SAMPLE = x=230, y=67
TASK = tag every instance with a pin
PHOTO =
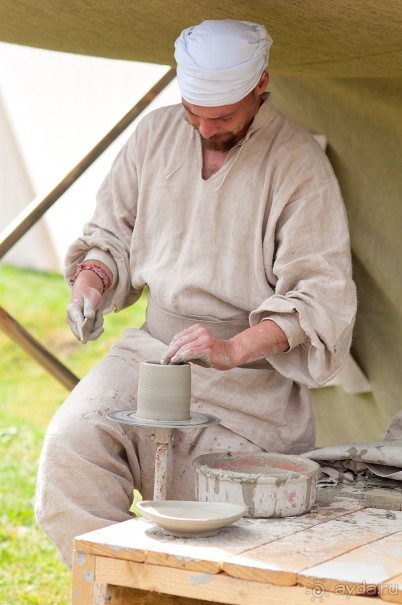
x=222, y=127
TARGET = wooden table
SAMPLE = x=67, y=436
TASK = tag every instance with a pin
x=340, y=553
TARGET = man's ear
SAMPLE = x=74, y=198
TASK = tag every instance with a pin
x=263, y=83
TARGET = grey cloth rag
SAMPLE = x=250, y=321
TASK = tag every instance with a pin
x=347, y=462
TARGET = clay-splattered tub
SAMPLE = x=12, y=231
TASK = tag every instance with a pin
x=270, y=485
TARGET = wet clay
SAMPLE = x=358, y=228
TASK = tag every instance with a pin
x=164, y=391
x=269, y=485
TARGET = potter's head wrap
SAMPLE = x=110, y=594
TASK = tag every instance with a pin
x=220, y=62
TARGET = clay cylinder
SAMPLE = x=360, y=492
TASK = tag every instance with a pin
x=164, y=391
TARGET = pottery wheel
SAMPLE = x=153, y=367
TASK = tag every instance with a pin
x=162, y=437
x=196, y=419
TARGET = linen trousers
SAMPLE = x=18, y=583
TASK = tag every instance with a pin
x=90, y=465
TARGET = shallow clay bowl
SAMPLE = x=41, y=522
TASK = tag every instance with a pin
x=189, y=519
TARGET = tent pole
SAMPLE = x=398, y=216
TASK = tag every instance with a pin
x=20, y=336
x=37, y=208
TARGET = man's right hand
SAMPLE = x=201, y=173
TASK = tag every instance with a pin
x=84, y=315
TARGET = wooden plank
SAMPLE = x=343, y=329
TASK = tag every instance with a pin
x=391, y=590
x=207, y=554
x=83, y=578
x=361, y=571
x=121, y=595
x=140, y=540
x=281, y=561
x=129, y=540
x=216, y=588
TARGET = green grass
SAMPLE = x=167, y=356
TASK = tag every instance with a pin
x=30, y=570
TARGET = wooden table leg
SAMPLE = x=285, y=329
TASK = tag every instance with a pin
x=83, y=581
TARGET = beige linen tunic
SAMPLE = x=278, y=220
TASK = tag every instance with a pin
x=264, y=237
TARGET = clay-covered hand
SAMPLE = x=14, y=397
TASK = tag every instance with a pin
x=84, y=315
x=198, y=344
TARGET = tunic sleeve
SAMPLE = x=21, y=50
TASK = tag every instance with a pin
x=314, y=299
x=107, y=236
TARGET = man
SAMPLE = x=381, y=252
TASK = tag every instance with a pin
x=231, y=215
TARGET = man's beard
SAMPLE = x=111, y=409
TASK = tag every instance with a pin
x=219, y=142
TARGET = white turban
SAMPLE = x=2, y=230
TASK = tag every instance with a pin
x=220, y=62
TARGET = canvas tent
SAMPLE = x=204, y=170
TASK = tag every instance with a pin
x=336, y=67
x=17, y=188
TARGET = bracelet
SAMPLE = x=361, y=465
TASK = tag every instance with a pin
x=106, y=281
